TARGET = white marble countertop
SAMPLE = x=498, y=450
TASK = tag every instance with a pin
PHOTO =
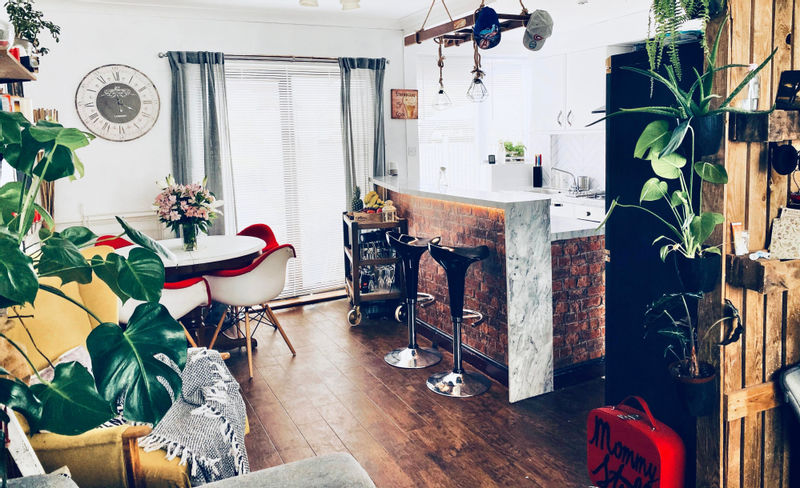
x=494, y=199
x=562, y=228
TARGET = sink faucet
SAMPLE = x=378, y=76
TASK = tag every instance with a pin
x=574, y=187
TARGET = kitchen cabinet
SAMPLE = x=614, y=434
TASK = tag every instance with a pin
x=567, y=88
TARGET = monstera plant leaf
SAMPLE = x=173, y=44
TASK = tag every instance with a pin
x=144, y=241
x=80, y=236
x=71, y=404
x=16, y=394
x=125, y=362
x=18, y=281
x=140, y=275
x=62, y=258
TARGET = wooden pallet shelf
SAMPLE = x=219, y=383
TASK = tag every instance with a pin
x=751, y=400
x=775, y=126
x=763, y=275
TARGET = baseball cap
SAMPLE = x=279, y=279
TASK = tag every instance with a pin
x=540, y=27
x=487, y=28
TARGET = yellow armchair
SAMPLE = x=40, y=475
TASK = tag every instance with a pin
x=100, y=458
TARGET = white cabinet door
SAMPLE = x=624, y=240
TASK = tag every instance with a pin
x=548, y=94
x=585, y=88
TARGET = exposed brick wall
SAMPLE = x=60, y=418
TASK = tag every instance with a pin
x=485, y=288
x=578, y=300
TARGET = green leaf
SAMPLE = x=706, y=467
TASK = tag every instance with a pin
x=124, y=362
x=16, y=394
x=62, y=258
x=679, y=197
x=747, y=79
x=664, y=251
x=9, y=201
x=71, y=404
x=144, y=241
x=18, y=281
x=108, y=271
x=23, y=156
x=73, y=138
x=47, y=219
x=668, y=167
x=712, y=250
x=676, y=140
x=10, y=128
x=44, y=133
x=653, y=189
x=702, y=226
x=141, y=275
x=710, y=172
x=654, y=138
x=78, y=235
x=61, y=165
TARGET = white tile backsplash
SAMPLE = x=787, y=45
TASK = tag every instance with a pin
x=582, y=154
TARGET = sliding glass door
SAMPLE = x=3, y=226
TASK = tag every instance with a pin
x=288, y=167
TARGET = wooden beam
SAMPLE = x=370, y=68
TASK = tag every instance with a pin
x=763, y=275
x=508, y=22
x=752, y=400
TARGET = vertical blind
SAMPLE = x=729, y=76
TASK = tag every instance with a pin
x=288, y=163
x=462, y=136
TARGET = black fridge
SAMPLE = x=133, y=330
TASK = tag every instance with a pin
x=635, y=274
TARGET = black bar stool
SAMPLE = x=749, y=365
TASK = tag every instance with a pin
x=456, y=261
x=410, y=250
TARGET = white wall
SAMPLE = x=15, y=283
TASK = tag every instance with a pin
x=120, y=177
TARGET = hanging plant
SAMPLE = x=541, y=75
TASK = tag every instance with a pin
x=29, y=22
x=666, y=17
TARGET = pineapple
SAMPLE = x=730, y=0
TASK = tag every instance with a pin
x=356, y=204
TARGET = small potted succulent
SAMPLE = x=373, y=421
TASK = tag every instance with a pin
x=670, y=317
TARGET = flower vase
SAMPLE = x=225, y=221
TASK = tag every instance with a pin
x=189, y=234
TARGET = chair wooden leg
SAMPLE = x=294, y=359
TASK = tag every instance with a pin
x=189, y=337
x=249, y=342
x=277, y=325
x=216, y=331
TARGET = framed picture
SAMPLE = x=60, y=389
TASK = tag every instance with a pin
x=788, y=97
x=405, y=104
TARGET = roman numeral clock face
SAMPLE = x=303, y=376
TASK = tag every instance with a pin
x=117, y=102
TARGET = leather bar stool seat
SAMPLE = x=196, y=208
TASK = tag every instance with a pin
x=456, y=262
x=410, y=250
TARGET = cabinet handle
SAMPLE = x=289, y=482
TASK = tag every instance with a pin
x=558, y=119
x=569, y=118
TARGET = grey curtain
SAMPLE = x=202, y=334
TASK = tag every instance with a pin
x=376, y=69
x=200, y=135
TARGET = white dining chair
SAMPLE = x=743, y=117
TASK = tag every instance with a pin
x=252, y=286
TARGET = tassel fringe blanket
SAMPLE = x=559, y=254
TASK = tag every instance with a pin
x=205, y=425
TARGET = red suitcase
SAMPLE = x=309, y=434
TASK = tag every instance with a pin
x=628, y=448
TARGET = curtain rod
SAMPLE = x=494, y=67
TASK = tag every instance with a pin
x=254, y=57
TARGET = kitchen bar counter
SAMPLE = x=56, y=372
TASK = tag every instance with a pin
x=513, y=287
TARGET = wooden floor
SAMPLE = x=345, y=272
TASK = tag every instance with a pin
x=338, y=395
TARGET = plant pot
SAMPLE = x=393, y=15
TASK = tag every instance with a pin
x=189, y=235
x=708, y=131
x=698, y=393
x=700, y=274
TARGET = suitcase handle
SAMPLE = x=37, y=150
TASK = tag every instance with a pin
x=643, y=405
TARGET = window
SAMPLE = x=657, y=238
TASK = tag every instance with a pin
x=462, y=136
x=288, y=163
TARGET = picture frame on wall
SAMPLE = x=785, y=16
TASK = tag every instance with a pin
x=405, y=104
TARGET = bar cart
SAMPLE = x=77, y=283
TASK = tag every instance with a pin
x=364, y=244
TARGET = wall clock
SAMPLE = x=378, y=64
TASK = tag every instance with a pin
x=117, y=102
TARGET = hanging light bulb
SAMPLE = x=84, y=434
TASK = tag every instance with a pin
x=477, y=91
x=442, y=101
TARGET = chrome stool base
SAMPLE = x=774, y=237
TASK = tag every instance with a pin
x=458, y=385
x=416, y=358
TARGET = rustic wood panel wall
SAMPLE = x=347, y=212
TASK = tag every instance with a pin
x=746, y=444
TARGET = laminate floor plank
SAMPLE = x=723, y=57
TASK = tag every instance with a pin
x=338, y=395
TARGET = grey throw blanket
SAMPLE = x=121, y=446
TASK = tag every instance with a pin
x=205, y=425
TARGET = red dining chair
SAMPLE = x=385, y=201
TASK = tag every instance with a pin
x=179, y=298
x=263, y=232
x=253, y=285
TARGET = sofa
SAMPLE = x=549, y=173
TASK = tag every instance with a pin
x=100, y=458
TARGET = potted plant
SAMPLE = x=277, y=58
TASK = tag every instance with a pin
x=76, y=401
x=693, y=107
x=187, y=208
x=699, y=265
x=29, y=23
x=514, y=152
x=669, y=316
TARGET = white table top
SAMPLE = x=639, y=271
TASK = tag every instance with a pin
x=209, y=249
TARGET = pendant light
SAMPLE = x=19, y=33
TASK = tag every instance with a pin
x=442, y=101
x=477, y=91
